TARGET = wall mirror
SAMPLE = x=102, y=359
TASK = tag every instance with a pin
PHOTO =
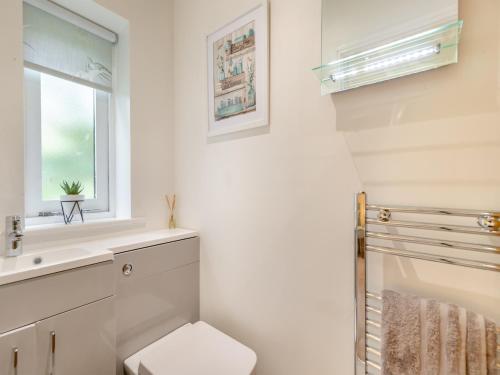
x=365, y=42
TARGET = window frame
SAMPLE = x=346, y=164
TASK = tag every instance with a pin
x=34, y=204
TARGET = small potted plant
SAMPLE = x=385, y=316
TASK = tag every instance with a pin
x=73, y=191
x=70, y=202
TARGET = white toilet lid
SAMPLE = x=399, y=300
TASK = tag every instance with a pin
x=194, y=349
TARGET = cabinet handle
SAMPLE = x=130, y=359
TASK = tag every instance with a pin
x=53, y=341
x=53, y=352
x=15, y=351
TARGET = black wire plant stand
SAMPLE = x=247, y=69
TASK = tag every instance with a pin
x=76, y=209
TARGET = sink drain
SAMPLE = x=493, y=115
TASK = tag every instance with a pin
x=37, y=260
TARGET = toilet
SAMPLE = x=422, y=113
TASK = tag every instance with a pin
x=193, y=349
x=157, y=309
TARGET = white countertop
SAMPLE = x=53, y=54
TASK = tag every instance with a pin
x=68, y=255
x=126, y=242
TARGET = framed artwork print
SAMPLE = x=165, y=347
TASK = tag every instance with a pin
x=238, y=74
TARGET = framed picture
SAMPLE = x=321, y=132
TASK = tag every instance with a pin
x=238, y=74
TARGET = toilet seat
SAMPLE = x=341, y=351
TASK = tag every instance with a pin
x=193, y=349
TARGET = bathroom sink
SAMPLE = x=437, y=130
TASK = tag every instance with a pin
x=41, y=263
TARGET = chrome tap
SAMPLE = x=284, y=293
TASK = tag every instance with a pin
x=14, y=227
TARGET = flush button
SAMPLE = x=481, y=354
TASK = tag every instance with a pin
x=127, y=269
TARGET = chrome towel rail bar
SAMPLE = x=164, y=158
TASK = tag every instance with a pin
x=488, y=224
x=435, y=258
x=435, y=227
x=432, y=211
x=435, y=242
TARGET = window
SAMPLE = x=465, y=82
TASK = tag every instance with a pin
x=67, y=138
x=68, y=94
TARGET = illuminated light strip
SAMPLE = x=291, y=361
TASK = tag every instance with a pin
x=390, y=62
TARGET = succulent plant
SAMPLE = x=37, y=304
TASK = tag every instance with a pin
x=74, y=188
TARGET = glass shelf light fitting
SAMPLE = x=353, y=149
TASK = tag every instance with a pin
x=389, y=62
x=428, y=50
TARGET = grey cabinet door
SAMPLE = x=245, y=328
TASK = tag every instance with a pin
x=17, y=351
x=78, y=342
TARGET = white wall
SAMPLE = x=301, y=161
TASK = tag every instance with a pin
x=11, y=109
x=433, y=139
x=151, y=104
x=151, y=100
x=274, y=210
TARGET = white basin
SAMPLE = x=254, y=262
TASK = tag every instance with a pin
x=36, y=264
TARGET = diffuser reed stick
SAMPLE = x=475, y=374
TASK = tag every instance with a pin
x=171, y=207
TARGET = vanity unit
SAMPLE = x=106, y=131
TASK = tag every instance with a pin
x=55, y=323
x=126, y=305
x=85, y=314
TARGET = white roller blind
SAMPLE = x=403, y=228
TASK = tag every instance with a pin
x=52, y=44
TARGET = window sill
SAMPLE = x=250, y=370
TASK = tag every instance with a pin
x=90, y=217
x=36, y=233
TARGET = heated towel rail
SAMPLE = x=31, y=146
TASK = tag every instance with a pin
x=368, y=303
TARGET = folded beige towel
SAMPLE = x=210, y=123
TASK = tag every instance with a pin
x=453, y=338
x=491, y=347
x=476, y=345
x=425, y=337
x=463, y=341
x=401, y=352
x=431, y=337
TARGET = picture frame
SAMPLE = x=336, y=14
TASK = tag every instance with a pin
x=238, y=73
